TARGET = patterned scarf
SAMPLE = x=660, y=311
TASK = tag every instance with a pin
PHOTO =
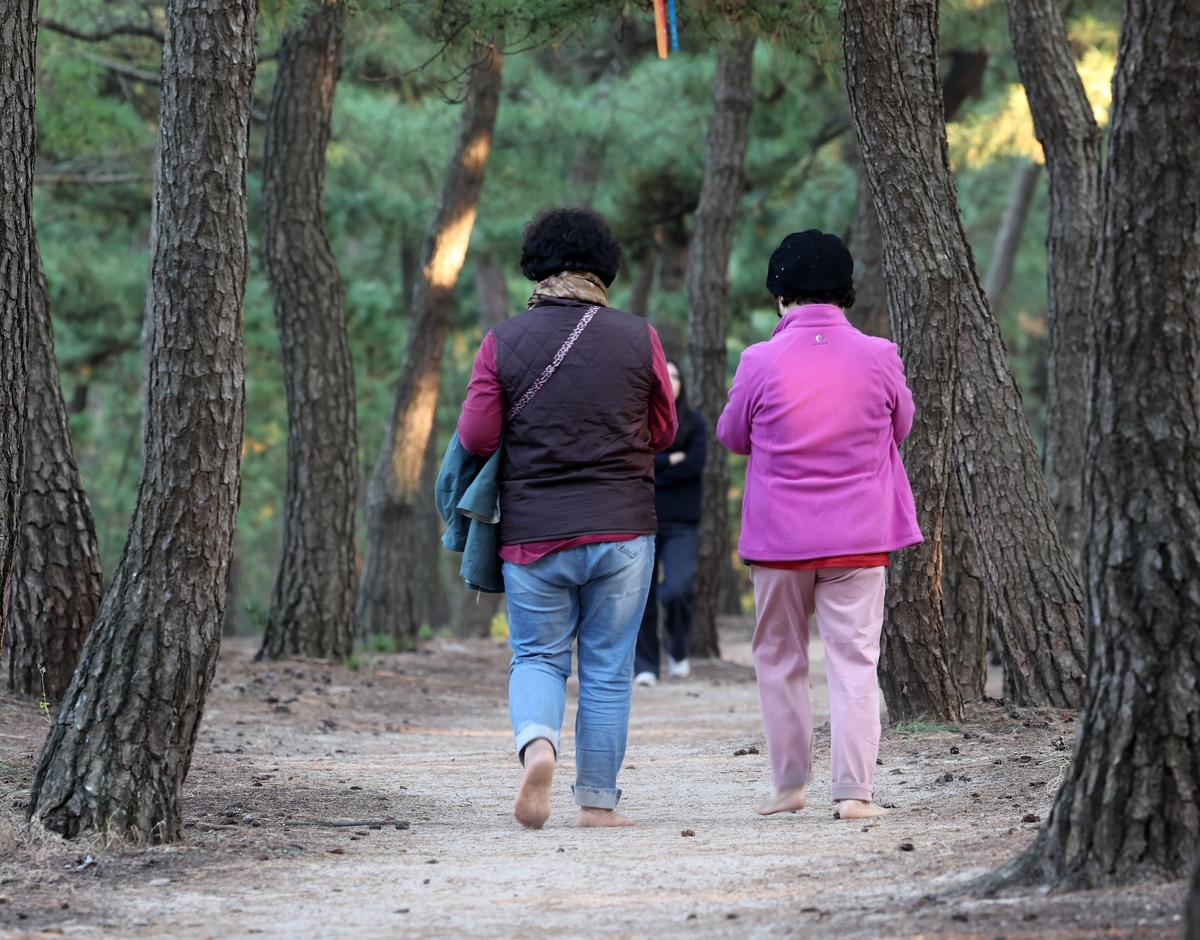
x=571, y=285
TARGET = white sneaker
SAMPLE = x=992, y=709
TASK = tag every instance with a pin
x=645, y=678
x=678, y=670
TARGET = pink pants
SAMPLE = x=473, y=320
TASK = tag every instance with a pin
x=848, y=603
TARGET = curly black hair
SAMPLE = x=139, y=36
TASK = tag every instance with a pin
x=574, y=239
x=843, y=297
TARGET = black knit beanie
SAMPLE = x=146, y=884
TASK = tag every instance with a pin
x=809, y=264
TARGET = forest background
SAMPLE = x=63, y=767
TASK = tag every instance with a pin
x=595, y=118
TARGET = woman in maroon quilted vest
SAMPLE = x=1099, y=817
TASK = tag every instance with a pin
x=580, y=394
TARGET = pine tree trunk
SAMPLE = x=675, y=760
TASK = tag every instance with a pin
x=707, y=282
x=18, y=26
x=385, y=593
x=643, y=285
x=891, y=74
x=1008, y=236
x=118, y=752
x=491, y=293
x=1033, y=589
x=427, y=545
x=58, y=581
x=312, y=603
x=870, y=310
x=1127, y=809
x=1066, y=127
x=967, y=624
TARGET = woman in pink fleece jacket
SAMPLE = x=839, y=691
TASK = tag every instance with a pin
x=820, y=409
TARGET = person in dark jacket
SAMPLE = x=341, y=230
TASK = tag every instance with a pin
x=576, y=501
x=677, y=490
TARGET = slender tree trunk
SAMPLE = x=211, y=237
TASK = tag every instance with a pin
x=870, y=310
x=707, y=281
x=233, y=589
x=385, y=594
x=1066, y=127
x=891, y=74
x=967, y=623
x=312, y=603
x=643, y=285
x=118, y=752
x=18, y=26
x=58, y=582
x=1008, y=236
x=491, y=293
x=427, y=544
x=1127, y=809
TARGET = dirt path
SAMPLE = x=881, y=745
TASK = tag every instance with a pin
x=423, y=739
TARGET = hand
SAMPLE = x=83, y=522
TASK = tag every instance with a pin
x=677, y=456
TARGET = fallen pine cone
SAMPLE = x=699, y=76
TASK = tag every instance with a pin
x=687, y=832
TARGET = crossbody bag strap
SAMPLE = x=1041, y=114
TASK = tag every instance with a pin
x=542, y=379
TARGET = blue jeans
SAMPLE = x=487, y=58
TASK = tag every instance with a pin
x=594, y=593
x=675, y=550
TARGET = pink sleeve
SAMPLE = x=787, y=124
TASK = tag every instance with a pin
x=663, y=422
x=482, y=419
x=733, y=427
x=903, y=409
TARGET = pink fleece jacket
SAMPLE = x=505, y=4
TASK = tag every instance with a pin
x=821, y=409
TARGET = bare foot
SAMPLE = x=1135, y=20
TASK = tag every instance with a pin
x=591, y=818
x=533, y=800
x=787, y=800
x=859, y=809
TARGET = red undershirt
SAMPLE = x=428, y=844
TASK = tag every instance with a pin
x=873, y=560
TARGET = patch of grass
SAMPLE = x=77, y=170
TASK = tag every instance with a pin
x=16, y=775
x=923, y=726
x=425, y=632
x=499, y=629
x=356, y=661
x=382, y=644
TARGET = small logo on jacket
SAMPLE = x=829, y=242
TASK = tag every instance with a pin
x=820, y=340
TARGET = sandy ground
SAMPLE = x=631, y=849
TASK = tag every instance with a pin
x=423, y=740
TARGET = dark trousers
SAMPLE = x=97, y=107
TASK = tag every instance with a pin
x=675, y=557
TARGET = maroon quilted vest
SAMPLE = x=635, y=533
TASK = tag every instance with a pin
x=577, y=459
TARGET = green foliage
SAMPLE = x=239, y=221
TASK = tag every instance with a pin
x=425, y=632
x=382, y=645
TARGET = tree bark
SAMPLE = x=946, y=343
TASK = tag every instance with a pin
x=643, y=285
x=491, y=293
x=1008, y=236
x=967, y=623
x=707, y=282
x=312, y=602
x=385, y=593
x=891, y=74
x=1066, y=127
x=18, y=26
x=870, y=310
x=428, y=598
x=58, y=583
x=1127, y=809
x=118, y=752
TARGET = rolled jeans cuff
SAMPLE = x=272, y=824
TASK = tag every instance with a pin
x=531, y=733
x=851, y=791
x=595, y=797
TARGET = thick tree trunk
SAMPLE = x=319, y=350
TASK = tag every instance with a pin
x=118, y=752
x=891, y=74
x=58, y=582
x=1066, y=127
x=385, y=593
x=1008, y=236
x=1127, y=809
x=707, y=283
x=967, y=624
x=1033, y=589
x=18, y=26
x=312, y=603
x=870, y=310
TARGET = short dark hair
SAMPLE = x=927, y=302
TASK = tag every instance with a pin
x=574, y=239
x=843, y=297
